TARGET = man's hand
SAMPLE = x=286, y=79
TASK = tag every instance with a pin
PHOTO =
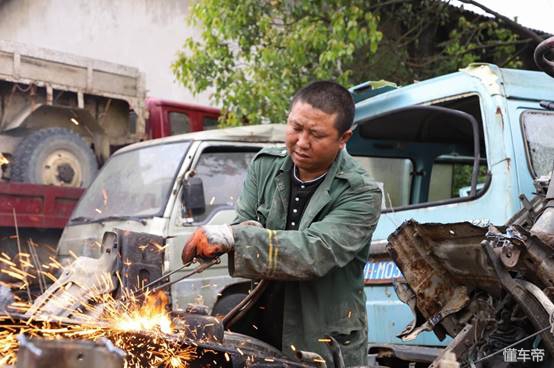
x=208, y=242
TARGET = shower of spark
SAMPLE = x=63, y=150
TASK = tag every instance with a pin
x=141, y=326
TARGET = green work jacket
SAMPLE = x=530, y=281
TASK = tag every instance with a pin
x=322, y=262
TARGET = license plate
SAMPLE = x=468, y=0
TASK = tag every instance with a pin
x=381, y=272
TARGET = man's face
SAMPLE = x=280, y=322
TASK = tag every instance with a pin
x=312, y=139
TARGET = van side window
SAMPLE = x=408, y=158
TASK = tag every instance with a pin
x=395, y=175
x=222, y=174
x=424, y=154
x=451, y=178
x=537, y=129
x=179, y=122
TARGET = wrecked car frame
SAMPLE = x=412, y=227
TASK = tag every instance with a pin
x=489, y=287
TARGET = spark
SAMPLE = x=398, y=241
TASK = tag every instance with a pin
x=141, y=327
x=159, y=247
x=72, y=254
x=3, y=161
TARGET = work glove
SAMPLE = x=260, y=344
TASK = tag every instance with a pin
x=211, y=241
x=208, y=242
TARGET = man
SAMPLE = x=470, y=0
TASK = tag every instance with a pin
x=318, y=210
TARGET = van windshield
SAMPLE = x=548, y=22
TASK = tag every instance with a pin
x=537, y=127
x=133, y=184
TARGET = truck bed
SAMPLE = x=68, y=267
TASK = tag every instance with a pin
x=36, y=206
x=27, y=64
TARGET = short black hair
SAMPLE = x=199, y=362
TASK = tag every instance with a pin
x=329, y=97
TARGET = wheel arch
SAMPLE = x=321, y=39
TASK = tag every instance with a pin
x=75, y=119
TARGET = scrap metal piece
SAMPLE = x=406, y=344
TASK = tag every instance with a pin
x=536, y=305
x=142, y=259
x=407, y=296
x=459, y=346
x=404, y=352
x=310, y=357
x=538, y=263
x=42, y=353
x=443, y=264
x=509, y=245
x=83, y=280
x=459, y=299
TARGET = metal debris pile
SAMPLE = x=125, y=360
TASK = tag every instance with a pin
x=140, y=326
x=489, y=287
x=89, y=308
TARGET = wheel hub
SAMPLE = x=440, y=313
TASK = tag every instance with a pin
x=62, y=168
x=65, y=173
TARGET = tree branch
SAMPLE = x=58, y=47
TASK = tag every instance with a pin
x=435, y=58
x=512, y=24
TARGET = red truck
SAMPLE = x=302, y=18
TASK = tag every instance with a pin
x=61, y=117
x=41, y=211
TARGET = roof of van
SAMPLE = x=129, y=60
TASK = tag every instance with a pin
x=250, y=133
x=478, y=78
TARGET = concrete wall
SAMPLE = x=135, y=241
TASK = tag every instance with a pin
x=142, y=33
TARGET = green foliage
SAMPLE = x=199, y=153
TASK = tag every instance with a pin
x=470, y=42
x=256, y=54
x=426, y=38
x=461, y=177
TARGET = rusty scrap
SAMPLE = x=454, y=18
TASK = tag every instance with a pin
x=488, y=287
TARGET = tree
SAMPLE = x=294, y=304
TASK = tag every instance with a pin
x=256, y=54
x=427, y=38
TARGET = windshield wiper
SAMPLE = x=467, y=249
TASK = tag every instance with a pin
x=80, y=219
x=85, y=219
x=115, y=217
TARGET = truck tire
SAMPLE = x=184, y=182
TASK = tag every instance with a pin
x=54, y=156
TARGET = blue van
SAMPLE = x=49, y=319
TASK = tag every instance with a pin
x=460, y=147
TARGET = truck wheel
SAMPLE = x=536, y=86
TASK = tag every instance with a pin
x=226, y=303
x=54, y=156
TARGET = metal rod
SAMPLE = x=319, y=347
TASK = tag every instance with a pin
x=240, y=309
x=36, y=261
x=28, y=288
x=198, y=269
x=153, y=282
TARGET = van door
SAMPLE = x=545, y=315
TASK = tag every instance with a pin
x=222, y=168
x=424, y=159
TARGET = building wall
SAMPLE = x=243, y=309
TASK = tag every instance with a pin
x=142, y=33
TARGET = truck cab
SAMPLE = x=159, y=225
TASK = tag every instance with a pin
x=146, y=189
x=167, y=118
x=460, y=147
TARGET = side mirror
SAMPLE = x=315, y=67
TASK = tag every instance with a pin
x=193, y=196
